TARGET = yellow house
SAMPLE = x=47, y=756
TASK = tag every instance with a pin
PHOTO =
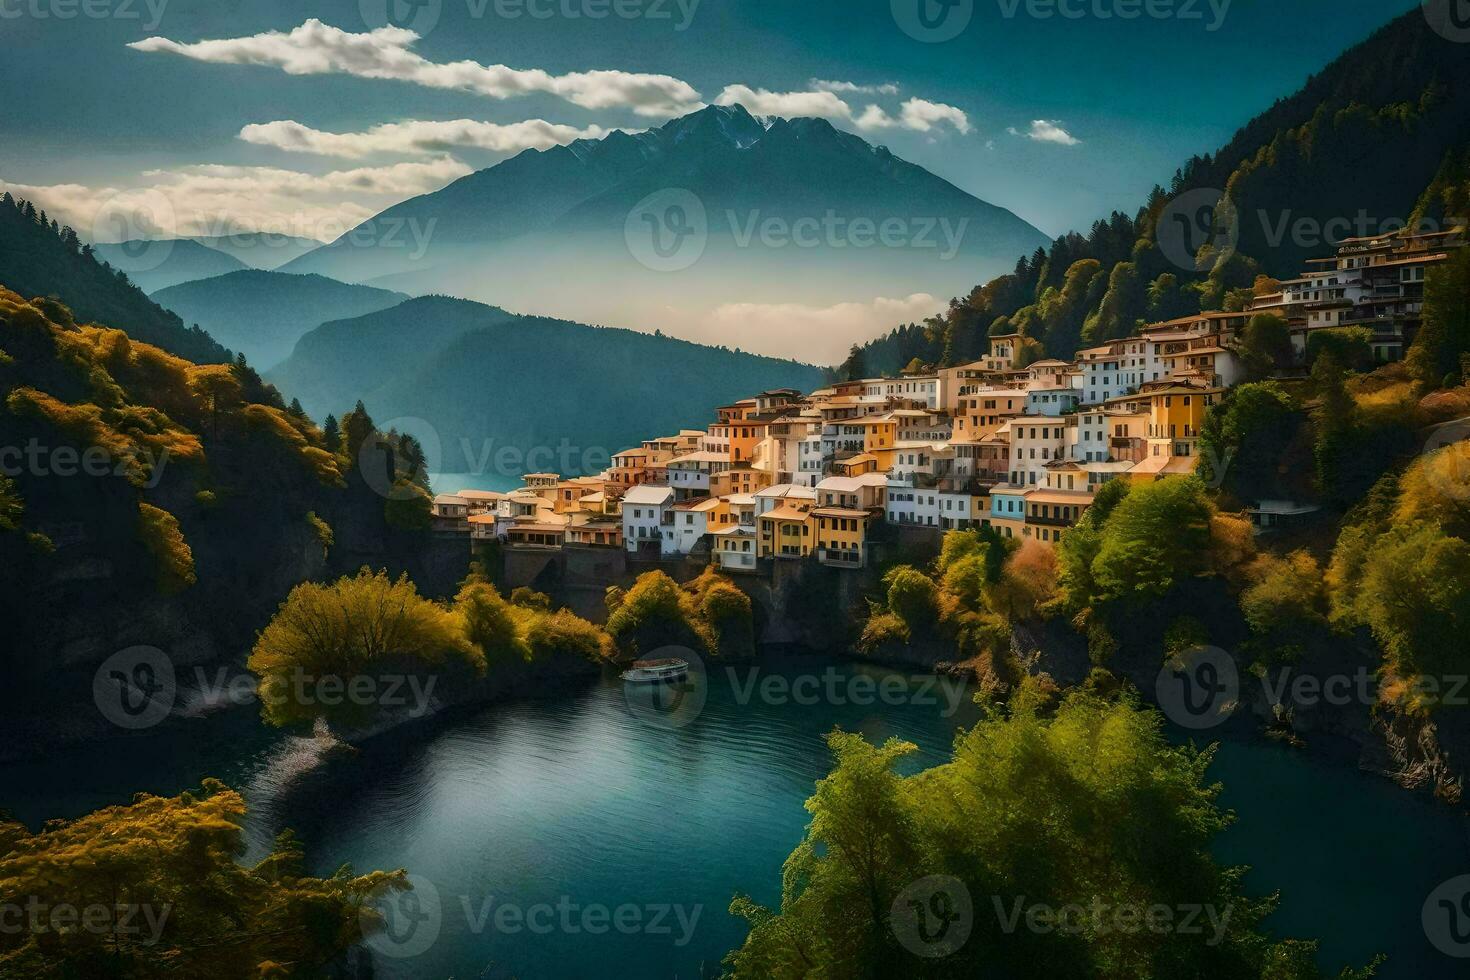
x=542, y=484
x=739, y=480
x=786, y=531
x=569, y=493
x=1176, y=413
x=596, y=532
x=1050, y=512
x=717, y=513
x=984, y=412
x=880, y=433
x=842, y=536
x=862, y=463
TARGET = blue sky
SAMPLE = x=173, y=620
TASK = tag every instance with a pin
x=1060, y=118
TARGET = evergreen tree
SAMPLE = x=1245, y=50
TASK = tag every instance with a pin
x=331, y=434
x=1445, y=334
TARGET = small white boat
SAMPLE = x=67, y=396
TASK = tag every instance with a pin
x=657, y=671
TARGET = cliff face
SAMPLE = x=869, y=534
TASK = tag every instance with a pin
x=151, y=502
x=1324, y=704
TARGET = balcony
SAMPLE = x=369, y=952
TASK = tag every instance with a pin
x=841, y=559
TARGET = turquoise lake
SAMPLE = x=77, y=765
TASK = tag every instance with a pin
x=555, y=807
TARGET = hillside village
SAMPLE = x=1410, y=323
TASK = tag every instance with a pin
x=1018, y=446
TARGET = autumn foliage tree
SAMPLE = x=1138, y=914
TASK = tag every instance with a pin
x=365, y=626
x=156, y=889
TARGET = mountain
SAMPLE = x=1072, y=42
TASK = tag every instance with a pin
x=1377, y=139
x=342, y=361
x=471, y=380
x=155, y=265
x=45, y=259
x=663, y=227
x=263, y=314
x=260, y=249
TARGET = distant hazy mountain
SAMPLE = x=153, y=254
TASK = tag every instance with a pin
x=263, y=314
x=155, y=265
x=662, y=227
x=260, y=250
x=471, y=380
x=37, y=261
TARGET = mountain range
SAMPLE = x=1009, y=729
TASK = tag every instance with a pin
x=262, y=314
x=662, y=229
x=154, y=264
x=471, y=381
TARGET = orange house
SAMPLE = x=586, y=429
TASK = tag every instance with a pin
x=629, y=468
x=738, y=430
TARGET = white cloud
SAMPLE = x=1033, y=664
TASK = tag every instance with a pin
x=212, y=199
x=852, y=88
x=762, y=102
x=917, y=115
x=820, y=334
x=1047, y=131
x=316, y=48
x=417, y=137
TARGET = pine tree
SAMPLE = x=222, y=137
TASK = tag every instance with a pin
x=331, y=434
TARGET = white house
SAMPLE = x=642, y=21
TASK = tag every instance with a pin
x=1052, y=401
x=648, y=516
x=734, y=545
x=689, y=474
x=908, y=505
x=1087, y=437
x=770, y=498
x=691, y=523
x=812, y=460
x=920, y=388
x=1103, y=376
x=956, y=510
x=1034, y=443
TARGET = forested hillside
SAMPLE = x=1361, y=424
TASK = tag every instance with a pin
x=39, y=257
x=1351, y=154
x=153, y=501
